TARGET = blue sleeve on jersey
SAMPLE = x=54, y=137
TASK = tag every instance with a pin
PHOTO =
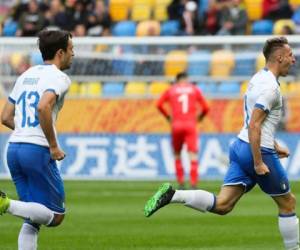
x=11, y=100
x=51, y=90
x=262, y=107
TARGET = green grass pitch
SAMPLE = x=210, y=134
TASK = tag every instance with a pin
x=108, y=215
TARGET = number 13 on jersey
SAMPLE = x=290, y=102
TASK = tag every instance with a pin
x=28, y=102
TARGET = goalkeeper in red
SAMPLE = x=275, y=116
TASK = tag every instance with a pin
x=186, y=106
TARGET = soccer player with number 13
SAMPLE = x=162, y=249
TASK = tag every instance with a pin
x=31, y=111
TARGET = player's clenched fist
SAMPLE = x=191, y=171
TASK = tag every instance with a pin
x=261, y=169
x=57, y=153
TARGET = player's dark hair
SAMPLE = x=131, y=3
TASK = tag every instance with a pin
x=181, y=76
x=272, y=45
x=50, y=41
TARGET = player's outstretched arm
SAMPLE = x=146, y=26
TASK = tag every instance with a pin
x=45, y=108
x=7, y=115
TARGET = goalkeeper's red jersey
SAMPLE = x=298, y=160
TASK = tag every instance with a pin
x=185, y=101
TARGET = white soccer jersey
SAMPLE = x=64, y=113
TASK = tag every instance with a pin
x=26, y=95
x=263, y=92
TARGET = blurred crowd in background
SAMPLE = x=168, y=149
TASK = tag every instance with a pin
x=199, y=17
x=118, y=71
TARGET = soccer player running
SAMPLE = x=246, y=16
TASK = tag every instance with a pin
x=187, y=106
x=254, y=155
x=31, y=111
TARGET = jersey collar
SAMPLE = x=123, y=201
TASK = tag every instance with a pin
x=267, y=70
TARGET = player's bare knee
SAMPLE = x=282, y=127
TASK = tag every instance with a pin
x=290, y=204
x=223, y=207
x=57, y=220
x=293, y=200
x=223, y=210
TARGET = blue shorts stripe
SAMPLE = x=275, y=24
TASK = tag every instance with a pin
x=236, y=184
x=279, y=194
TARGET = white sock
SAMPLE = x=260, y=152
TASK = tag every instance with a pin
x=28, y=237
x=289, y=229
x=33, y=211
x=198, y=199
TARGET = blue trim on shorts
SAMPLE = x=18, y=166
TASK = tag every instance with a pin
x=274, y=195
x=236, y=184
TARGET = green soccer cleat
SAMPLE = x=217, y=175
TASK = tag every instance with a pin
x=161, y=198
x=4, y=202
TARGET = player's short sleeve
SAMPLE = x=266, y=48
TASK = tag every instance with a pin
x=267, y=99
x=14, y=93
x=59, y=85
x=12, y=97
